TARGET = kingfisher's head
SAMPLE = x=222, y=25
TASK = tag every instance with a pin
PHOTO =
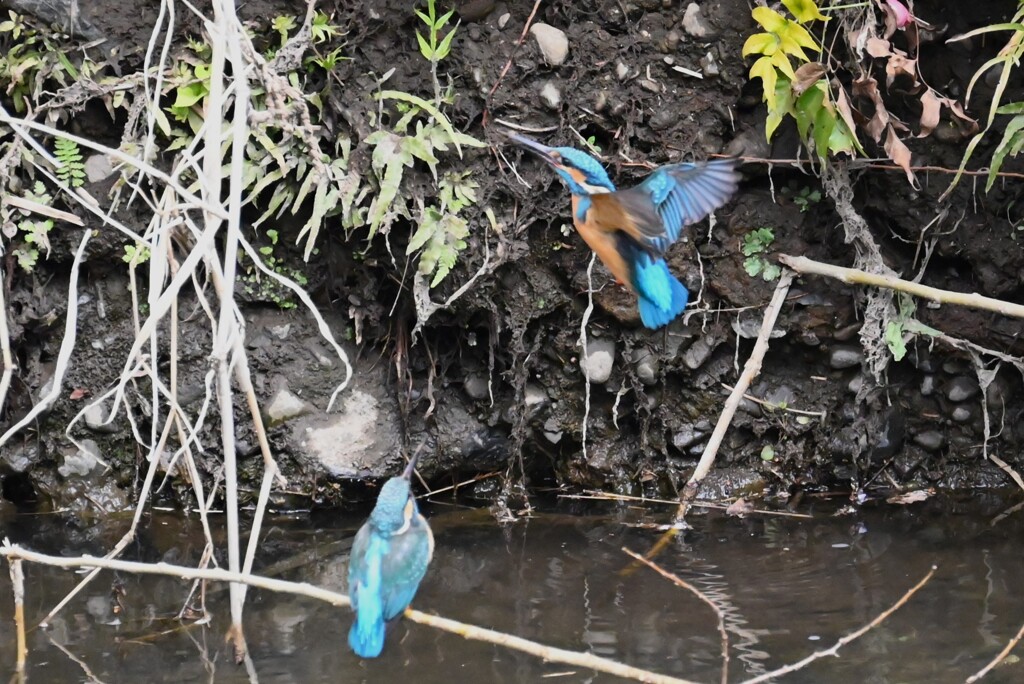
x=396, y=506
x=582, y=173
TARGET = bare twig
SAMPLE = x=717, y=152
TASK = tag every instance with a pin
x=750, y=371
x=834, y=649
x=679, y=582
x=584, y=352
x=464, y=630
x=18, y=583
x=776, y=407
x=999, y=657
x=804, y=265
x=611, y=496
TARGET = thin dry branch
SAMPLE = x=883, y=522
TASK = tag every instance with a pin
x=18, y=583
x=680, y=582
x=750, y=371
x=854, y=276
x=548, y=653
x=999, y=657
x=834, y=649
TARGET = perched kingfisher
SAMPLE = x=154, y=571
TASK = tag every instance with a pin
x=390, y=555
x=630, y=230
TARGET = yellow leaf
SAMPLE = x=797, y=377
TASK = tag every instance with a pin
x=761, y=44
x=772, y=21
x=765, y=70
x=799, y=35
x=804, y=10
x=781, y=62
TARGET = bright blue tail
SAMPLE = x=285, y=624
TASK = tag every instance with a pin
x=367, y=634
x=661, y=296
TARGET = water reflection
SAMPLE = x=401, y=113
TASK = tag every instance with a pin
x=786, y=587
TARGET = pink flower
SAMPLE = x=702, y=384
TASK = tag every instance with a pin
x=901, y=13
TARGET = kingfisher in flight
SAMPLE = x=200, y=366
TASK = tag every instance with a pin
x=631, y=230
x=389, y=557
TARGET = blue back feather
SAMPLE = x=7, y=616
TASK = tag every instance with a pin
x=661, y=297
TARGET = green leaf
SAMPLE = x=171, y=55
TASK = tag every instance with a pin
x=753, y=265
x=1010, y=136
x=188, y=95
x=423, y=17
x=824, y=124
x=768, y=452
x=1011, y=108
x=439, y=24
x=894, y=340
x=445, y=46
x=425, y=48
x=804, y=10
x=440, y=118
x=771, y=271
x=806, y=108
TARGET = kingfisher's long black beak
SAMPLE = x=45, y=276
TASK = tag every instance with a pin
x=548, y=154
x=407, y=473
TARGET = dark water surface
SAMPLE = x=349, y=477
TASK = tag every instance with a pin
x=787, y=586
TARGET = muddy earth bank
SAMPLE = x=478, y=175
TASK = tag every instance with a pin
x=494, y=382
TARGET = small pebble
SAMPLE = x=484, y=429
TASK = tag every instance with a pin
x=551, y=96
x=552, y=42
x=930, y=440
x=599, y=360
x=844, y=357
x=961, y=388
x=694, y=23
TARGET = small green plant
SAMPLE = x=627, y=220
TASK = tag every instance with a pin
x=804, y=197
x=32, y=234
x=270, y=290
x=755, y=244
x=802, y=93
x=442, y=232
x=1003, y=63
x=768, y=453
x=135, y=255
x=72, y=170
x=434, y=48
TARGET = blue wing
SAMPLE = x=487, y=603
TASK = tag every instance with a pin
x=405, y=566
x=673, y=197
x=365, y=580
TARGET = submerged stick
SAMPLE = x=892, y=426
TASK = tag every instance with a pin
x=18, y=583
x=680, y=582
x=999, y=657
x=834, y=649
x=548, y=653
x=854, y=276
x=750, y=371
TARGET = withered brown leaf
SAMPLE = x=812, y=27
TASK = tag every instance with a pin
x=900, y=154
x=806, y=76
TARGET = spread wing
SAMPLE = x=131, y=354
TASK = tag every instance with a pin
x=654, y=212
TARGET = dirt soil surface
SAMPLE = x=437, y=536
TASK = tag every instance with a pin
x=494, y=382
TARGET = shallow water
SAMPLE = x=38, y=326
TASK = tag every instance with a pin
x=787, y=586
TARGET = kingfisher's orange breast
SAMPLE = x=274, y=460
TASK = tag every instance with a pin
x=603, y=244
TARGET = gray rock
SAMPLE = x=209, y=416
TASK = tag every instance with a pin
x=698, y=353
x=647, y=367
x=552, y=433
x=709, y=65
x=552, y=42
x=19, y=457
x=621, y=70
x=534, y=395
x=359, y=440
x=98, y=167
x=503, y=20
x=599, y=360
x=694, y=23
x=961, y=388
x=930, y=440
x=687, y=436
x=551, y=96
x=285, y=406
x=845, y=357
x=961, y=414
x=928, y=386
x=281, y=331
x=94, y=416
x=82, y=461
x=476, y=386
